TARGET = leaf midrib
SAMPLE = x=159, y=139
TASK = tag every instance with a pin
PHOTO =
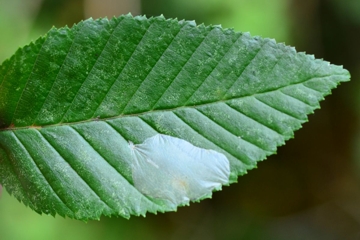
x=176, y=108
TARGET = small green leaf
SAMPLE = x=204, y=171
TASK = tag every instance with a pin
x=80, y=109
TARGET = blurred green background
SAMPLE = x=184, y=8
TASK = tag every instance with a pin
x=309, y=190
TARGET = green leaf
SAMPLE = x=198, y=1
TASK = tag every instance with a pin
x=81, y=110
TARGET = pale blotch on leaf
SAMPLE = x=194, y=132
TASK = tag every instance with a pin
x=174, y=170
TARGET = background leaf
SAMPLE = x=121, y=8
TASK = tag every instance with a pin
x=82, y=93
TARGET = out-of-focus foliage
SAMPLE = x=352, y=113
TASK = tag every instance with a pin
x=348, y=10
x=259, y=17
x=16, y=19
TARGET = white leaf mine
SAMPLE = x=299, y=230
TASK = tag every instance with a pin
x=176, y=171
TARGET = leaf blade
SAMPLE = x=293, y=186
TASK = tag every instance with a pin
x=84, y=93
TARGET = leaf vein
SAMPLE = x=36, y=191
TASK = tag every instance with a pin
x=140, y=118
x=181, y=69
x=207, y=77
x=277, y=109
x=5, y=75
x=38, y=168
x=56, y=78
x=198, y=132
x=303, y=83
x=92, y=68
x=296, y=99
x=27, y=81
x=176, y=108
x=58, y=152
x=21, y=183
x=121, y=71
x=227, y=130
x=152, y=69
x=262, y=124
x=105, y=160
x=244, y=69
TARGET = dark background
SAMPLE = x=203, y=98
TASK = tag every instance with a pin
x=309, y=190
